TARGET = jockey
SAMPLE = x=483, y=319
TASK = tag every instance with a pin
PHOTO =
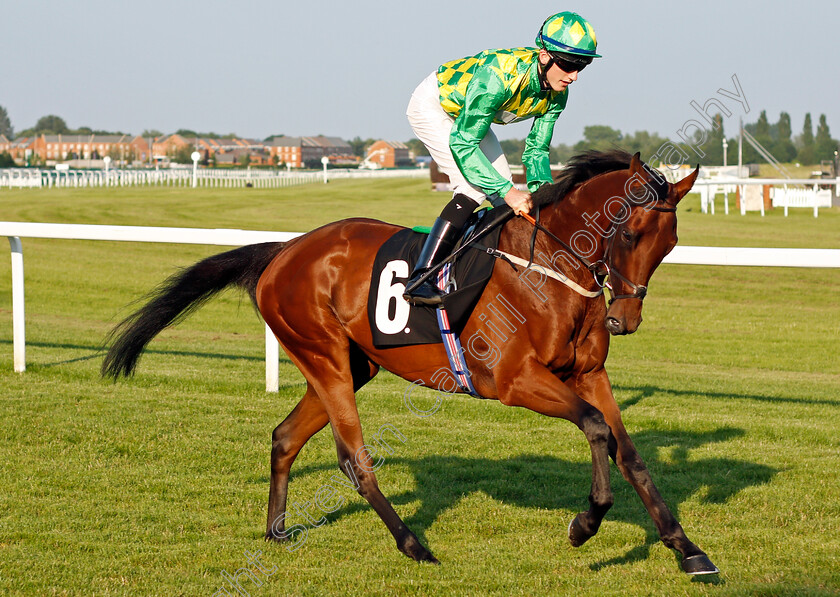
x=451, y=112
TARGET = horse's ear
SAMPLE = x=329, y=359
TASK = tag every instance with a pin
x=682, y=188
x=636, y=163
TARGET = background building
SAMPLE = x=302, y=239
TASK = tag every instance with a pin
x=300, y=152
x=388, y=154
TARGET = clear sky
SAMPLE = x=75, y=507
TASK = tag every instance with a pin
x=346, y=69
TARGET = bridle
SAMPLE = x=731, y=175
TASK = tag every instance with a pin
x=602, y=270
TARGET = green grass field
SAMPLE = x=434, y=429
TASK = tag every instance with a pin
x=158, y=485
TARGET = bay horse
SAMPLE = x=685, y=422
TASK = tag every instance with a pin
x=608, y=214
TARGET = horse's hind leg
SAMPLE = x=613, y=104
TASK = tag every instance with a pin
x=356, y=463
x=332, y=366
x=307, y=419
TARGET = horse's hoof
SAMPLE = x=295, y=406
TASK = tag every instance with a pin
x=269, y=536
x=415, y=550
x=577, y=536
x=421, y=555
x=428, y=557
x=699, y=564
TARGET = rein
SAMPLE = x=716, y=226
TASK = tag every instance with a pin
x=601, y=270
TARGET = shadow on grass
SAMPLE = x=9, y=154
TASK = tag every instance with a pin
x=641, y=392
x=545, y=482
x=99, y=352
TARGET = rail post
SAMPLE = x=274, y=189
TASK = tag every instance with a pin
x=18, y=318
x=272, y=361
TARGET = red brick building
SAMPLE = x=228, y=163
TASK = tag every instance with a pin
x=21, y=149
x=388, y=154
x=222, y=151
x=49, y=149
x=57, y=148
x=299, y=152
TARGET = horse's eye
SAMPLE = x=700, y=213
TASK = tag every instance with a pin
x=626, y=236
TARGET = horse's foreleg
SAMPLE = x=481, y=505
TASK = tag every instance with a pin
x=632, y=467
x=307, y=419
x=586, y=524
x=539, y=390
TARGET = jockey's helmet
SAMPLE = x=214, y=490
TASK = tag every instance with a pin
x=568, y=37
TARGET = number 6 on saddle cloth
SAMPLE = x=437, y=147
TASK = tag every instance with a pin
x=393, y=322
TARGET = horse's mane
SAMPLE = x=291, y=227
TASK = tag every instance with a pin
x=581, y=168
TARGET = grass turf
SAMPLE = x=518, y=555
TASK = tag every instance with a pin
x=158, y=485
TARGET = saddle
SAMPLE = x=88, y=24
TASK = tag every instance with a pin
x=393, y=322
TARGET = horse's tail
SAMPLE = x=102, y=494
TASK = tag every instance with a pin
x=180, y=295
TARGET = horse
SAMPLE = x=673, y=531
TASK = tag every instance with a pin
x=608, y=219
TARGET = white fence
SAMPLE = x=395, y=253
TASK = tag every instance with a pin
x=199, y=236
x=228, y=237
x=184, y=177
x=801, y=197
x=805, y=193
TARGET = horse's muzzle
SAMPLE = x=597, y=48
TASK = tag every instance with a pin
x=615, y=326
x=618, y=326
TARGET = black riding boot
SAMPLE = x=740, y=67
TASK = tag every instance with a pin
x=442, y=238
x=439, y=243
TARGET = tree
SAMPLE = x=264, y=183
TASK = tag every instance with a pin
x=6, y=160
x=51, y=125
x=154, y=133
x=783, y=149
x=713, y=147
x=560, y=153
x=358, y=145
x=183, y=155
x=599, y=137
x=641, y=141
x=824, y=146
x=513, y=149
x=417, y=147
x=807, y=153
x=129, y=157
x=762, y=130
x=6, y=124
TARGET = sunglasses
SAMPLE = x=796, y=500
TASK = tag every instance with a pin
x=567, y=65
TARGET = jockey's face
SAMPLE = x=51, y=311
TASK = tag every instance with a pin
x=557, y=78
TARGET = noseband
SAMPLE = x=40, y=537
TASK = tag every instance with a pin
x=602, y=270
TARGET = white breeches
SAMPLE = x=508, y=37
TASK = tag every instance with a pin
x=432, y=125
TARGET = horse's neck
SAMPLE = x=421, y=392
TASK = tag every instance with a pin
x=582, y=218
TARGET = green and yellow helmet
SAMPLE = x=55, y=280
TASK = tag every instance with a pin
x=568, y=33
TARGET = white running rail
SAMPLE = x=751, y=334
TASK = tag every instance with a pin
x=740, y=256
x=198, y=236
x=185, y=177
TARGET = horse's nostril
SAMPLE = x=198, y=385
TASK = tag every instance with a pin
x=613, y=325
